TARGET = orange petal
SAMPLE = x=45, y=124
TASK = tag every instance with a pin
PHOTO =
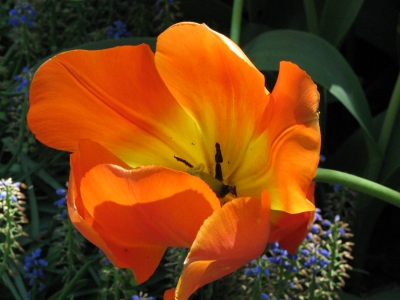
x=294, y=160
x=295, y=140
x=291, y=229
x=230, y=238
x=296, y=99
x=133, y=215
x=169, y=294
x=114, y=97
x=90, y=154
x=154, y=205
x=217, y=85
x=81, y=224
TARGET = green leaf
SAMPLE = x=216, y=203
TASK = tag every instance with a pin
x=337, y=18
x=323, y=63
x=391, y=164
x=350, y=156
x=252, y=30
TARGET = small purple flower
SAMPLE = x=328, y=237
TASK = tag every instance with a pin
x=336, y=187
x=324, y=252
x=264, y=296
x=248, y=272
x=323, y=263
x=326, y=223
x=118, y=30
x=61, y=192
x=22, y=13
x=33, y=267
x=314, y=229
x=60, y=203
x=256, y=270
x=13, y=12
x=267, y=272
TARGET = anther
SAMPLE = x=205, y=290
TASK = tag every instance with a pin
x=184, y=161
x=218, y=154
x=218, y=161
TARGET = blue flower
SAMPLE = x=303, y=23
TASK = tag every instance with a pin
x=314, y=229
x=13, y=12
x=323, y=263
x=61, y=192
x=264, y=296
x=248, y=272
x=275, y=260
x=326, y=223
x=33, y=268
x=342, y=232
x=60, y=203
x=118, y=30
x=22, y=13
x=23, y=82
x=324, y=252
x=256, y=270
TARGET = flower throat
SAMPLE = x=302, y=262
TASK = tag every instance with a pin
x=215, y=183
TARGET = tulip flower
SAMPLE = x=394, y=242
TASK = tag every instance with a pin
x=184, y=147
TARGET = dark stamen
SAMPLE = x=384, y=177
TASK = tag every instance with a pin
x=218, y=160
x=218, y=154
x=183, y=161
x=218, y=172
x=232, y=190
x=226, y=189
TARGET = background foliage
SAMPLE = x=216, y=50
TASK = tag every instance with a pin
x=350, y=48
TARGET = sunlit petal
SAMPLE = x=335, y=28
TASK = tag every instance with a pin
x=116, y=98
x=230, y=238
x=135, y=214
x=147, y=205
x=291, y=229
x=295, y=140
x=217, y=86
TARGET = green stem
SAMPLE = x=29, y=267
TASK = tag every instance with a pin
x=390, y=118
x=8, y=211
x=359, y=184
x=34, y=210
x=116, y=284
x=236, y=20
x=311, y=15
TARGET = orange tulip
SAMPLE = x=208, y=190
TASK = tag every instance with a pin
x=181, y=148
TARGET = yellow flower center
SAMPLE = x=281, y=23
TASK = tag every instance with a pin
x=224, y=192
